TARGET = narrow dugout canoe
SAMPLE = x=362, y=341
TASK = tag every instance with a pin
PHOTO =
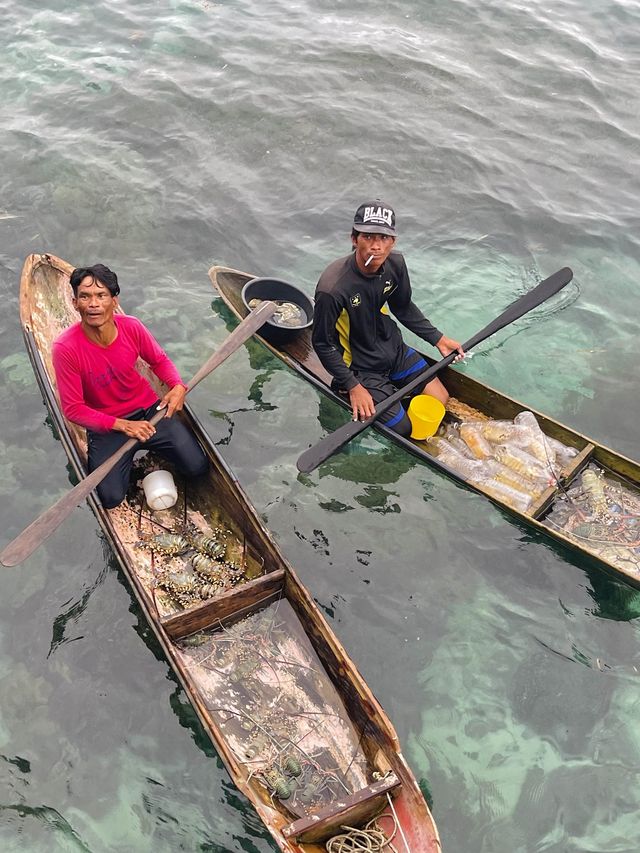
x=592, y=504
x=300, y=732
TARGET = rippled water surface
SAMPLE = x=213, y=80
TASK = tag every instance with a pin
x=161, y=137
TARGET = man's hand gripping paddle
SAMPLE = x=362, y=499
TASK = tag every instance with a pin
x=34, y=535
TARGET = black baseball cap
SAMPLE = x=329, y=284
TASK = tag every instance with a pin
x=375, y=217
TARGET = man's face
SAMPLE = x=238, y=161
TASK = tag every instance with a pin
x=375, y=246
x=94, y=303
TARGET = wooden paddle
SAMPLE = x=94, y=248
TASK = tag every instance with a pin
x=34, y=535
x=321, y=451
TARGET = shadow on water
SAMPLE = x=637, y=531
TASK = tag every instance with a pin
x=541, y=689
x=262, y=362
x=22, y=764
x=381, y=464
x=615, y=598
x=260, y=358
x=75, y=610
x=49, y=820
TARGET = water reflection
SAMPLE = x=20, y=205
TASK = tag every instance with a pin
x=76, y=608
x=375, y=466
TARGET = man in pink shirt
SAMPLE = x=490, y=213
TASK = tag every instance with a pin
x=101, y=390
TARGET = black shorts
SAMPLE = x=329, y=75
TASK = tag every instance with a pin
x=173, y=440
x=408, y=363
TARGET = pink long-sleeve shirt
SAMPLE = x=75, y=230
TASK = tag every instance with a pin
x=99, y=384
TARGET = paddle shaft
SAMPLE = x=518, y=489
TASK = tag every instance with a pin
x=35, y=534
x=328, y=445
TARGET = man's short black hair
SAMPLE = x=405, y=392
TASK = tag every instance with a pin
x=98, y=272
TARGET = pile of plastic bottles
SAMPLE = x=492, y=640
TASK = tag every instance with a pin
x=514, y=461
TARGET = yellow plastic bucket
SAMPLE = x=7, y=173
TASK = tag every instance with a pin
x=426, y=414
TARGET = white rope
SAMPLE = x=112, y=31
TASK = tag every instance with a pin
x=398, y=824
x=371, y=839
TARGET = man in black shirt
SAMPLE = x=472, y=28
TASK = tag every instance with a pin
x=353, y=334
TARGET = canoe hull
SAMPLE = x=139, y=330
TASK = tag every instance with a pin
x=480, y=399
x=380, y=778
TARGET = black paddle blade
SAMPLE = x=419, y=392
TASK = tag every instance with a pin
x=318, y=453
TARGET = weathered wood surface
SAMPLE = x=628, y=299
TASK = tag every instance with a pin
x=238, y=602
x=46, y=308
x=354, y=810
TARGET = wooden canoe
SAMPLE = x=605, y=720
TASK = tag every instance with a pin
x=603, y=527
x=299, y=731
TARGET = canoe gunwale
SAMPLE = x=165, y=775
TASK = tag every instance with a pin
x=226, y=281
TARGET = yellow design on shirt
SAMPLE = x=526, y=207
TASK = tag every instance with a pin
x=342, y=327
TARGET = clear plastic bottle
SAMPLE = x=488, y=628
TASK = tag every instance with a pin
x=564, y=453
x=507, y=494
x=452, y=435
x=473, y=470
x=538, y=446
x=503, y=474
x=514, y=490
x=498, y=432
x=472, y=436
x=522, y=462
x=437, y=444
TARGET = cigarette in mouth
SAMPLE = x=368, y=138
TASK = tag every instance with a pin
x=368, y=261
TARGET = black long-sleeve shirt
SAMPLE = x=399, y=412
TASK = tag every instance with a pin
x=352, y=329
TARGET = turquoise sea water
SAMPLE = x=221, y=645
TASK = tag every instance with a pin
x=161, y=137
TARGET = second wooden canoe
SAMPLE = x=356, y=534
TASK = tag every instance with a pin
x=600, y=520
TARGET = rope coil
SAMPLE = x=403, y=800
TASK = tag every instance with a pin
x=371, y=839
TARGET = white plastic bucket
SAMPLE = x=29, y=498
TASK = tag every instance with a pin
x=160, y=490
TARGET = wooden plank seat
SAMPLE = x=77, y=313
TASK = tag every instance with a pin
x=240, y=600
x=574, y=467
x=354, y=810
x=577, y=463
